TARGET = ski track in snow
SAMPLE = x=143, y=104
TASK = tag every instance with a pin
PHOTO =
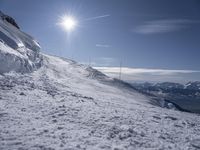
x=60, y=106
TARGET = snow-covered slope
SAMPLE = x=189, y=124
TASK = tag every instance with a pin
x=64, y=105
x=18, y=50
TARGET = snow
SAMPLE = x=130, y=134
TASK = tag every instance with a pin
x=18, y=50
x=65, y=105
x=61, y=106
x=12, y=60
x=16, y=38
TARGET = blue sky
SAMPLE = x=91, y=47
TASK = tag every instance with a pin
x=156, y=34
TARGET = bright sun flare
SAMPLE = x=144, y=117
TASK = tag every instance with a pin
x=68, y=23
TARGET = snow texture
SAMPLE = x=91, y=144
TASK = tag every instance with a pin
x=64, y=105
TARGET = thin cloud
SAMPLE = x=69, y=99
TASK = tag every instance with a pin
x=104, y=61
x=143, y=70
x=164, y=26
x=98, y=17
x=152, y=75
x=103, y=45
x=101, y=61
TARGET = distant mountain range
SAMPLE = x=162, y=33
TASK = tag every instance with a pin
x=184, y=97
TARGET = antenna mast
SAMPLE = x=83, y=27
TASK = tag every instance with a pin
x=120, y=71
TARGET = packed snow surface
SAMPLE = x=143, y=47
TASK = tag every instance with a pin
x=64, y=105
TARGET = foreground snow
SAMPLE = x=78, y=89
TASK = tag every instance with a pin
x=64, y=105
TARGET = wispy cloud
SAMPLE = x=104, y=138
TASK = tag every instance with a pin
x=155, y=75
x=101, y=61
x=104, y=61
x=103, y=45
x=144, y=70
x=164, y=26
x=97, y=17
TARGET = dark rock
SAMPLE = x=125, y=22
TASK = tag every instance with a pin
x=22, y=93
x=54, y=121
x=9, y=20
x=46, y=130
x=60, y=128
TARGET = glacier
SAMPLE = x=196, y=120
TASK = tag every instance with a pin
x=48, y=102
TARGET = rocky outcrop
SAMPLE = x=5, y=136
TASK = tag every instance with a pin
x=9, y=20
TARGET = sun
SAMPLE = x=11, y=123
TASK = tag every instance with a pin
x=68, y=23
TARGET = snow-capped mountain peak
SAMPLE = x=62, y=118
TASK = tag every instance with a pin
x=9, y=19
x=18, y=51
